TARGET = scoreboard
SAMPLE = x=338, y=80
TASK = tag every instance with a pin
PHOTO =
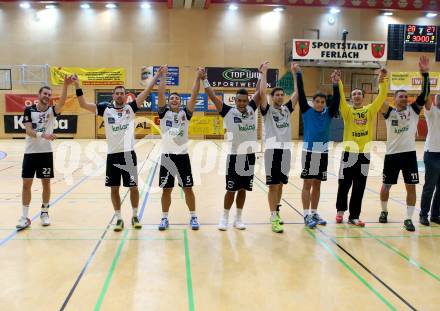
x=421, y=34
x=412, y=38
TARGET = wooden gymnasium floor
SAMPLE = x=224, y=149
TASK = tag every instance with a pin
x=79, y=263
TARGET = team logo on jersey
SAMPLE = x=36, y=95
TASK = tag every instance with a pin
x=169, y=123
x=119, y=114
x=111, y=120
x=394, y=122
x=378, y=50
x=302, y=48
x=276, y=119
x=237, y=120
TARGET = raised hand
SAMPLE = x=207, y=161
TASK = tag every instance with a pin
x=264, y=66
x=295, y=68
x=201, y=73
x=424, y=64
x=68, y=79
x=335, y=76
x=382, y=74
x=163, y=71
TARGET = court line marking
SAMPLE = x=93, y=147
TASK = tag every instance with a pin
x=110, y=272
x=52, y=203
x=351, y=269
x=190, y=293
x=94, y=251
x=189, y=286
x=351, y=256
x=404, y=256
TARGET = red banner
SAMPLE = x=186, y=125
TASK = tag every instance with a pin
x=18, y=102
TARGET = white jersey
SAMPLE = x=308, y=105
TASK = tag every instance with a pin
x=174, y=130
x=402, y=129
x=432, y=116
x=241, y=128
x=119, y=126
x=277, y=127
x=43, y=122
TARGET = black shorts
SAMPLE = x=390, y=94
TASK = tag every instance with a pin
x=40, y=163
x=405, y=162
x=277, y=166
x=172, y=165
x=240, y=171
x=121, y=164
x=314, y=165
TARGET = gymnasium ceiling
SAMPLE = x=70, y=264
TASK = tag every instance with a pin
x=423, y=5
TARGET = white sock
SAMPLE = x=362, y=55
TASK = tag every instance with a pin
x=340, y=213
x=164, y=214
x=45, y=208
x=25, y=210
x=193, y=214
x=118, y=214
x=226, y=213
x=314, y=211
x=306, y=212
x=410, y=211
x=239, y=213
x=273, y=215
x=384, y=205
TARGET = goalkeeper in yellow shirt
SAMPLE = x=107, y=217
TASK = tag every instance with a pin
x=355, y=160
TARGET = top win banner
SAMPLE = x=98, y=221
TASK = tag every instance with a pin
x=337, y=50
x=89, y=76
x=239, y=77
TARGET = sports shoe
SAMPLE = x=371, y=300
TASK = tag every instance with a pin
x=279, y=219
x=424, y=221
x=409, y=226
x=119, y=226
x=356, y=222
x=435, y=220
x=135, y=223
x=278, y=214
x=223, y=223
x=339, y=219
x=238, y=224
x=45, y=220
x=310, y=222
x=164, y=224
x=194, y=223
x=383, y=218
x=319, y=220
x=23, y=223
x=276, y=226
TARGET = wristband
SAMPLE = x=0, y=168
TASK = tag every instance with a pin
x=39, y=134
x=206, y=83
x=79, y=92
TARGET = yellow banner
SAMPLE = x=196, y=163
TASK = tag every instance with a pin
x=412, y=81
x=89, y=76
x=149, y=125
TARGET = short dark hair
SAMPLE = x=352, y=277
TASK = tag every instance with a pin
x=319, y=94
x=44, y=88
x=362, y=91
x=242, y=92
x=119, y=87
x=398, y=91
x=175, y=93
x=276, y=89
